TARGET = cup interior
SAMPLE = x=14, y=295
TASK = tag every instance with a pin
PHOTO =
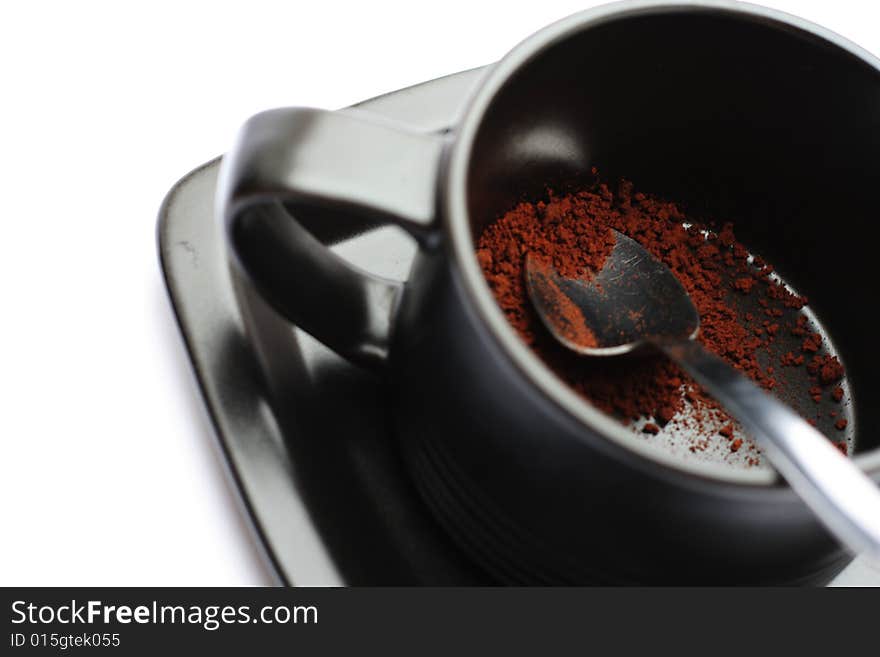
x=738, y=116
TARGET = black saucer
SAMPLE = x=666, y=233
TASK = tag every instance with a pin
x=306, y=435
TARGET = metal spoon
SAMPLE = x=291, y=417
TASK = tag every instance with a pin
x=635, y=301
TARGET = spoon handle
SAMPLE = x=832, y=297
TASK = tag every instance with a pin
x=839, y=493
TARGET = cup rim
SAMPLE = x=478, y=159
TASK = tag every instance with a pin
x=462, y=244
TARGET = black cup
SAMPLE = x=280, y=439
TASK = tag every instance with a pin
x=746, y=112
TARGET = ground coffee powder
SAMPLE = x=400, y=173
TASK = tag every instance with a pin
x=572, y=231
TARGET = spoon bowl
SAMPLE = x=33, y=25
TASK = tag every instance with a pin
x=633, y=300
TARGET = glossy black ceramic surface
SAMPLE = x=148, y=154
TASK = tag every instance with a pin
x=526, y=488
x=780, y=135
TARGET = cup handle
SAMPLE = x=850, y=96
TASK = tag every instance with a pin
x=340, y=161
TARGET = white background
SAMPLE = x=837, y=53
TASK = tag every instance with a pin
x=108, y=473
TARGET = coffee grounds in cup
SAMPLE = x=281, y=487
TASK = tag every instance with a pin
x=572, y=232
